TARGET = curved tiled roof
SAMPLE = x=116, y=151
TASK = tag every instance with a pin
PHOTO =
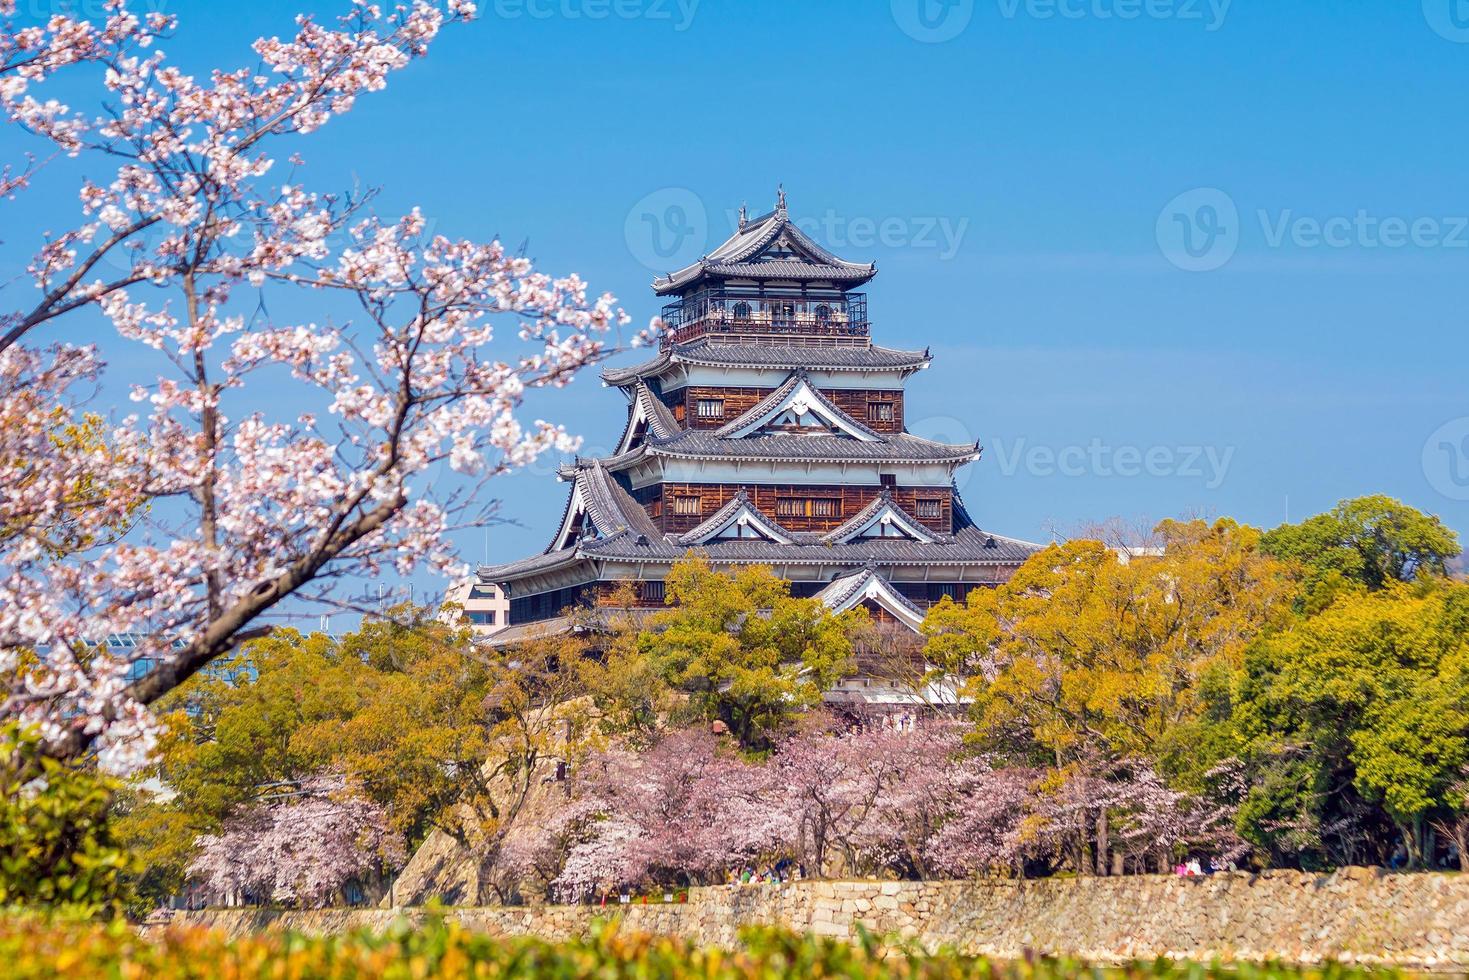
x=782, y=357
x=892, y=447
x=968, y=545
x=738, y=257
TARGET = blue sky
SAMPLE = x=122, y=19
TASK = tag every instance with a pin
x=1029, y=188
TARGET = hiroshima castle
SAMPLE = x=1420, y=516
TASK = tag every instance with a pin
x=768, y=430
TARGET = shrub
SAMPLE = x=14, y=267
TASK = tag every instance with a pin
x=56, y=845
x=33, y=946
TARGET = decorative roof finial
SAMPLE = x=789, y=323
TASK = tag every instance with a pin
x=744, y=215
x=780, y=198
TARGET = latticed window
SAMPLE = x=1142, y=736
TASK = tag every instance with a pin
x=688, y=505
x=932, y=508
x=711, y=408
x=808, y=507
x=652, y=591
x=880, y=411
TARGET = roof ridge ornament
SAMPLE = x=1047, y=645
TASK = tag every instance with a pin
x=744, y=215
x=780, y=200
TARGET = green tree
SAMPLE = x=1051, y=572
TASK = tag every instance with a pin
x=743, y=650
x=1368, y=542
x=1371, y=698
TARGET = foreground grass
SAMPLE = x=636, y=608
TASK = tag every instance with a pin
x=37, y=947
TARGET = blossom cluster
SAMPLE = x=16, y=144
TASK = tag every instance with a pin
x=300, y=848
x=272, y=455
x=875, y=800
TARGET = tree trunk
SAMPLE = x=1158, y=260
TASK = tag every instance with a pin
x=1104, y=844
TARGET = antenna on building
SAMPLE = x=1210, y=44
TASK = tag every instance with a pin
x=326, y=622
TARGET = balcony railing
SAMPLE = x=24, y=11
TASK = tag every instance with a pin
x=733, y=318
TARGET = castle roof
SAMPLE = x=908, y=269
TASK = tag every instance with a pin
x=968, y=545
x=705, y=353
x=768, y=247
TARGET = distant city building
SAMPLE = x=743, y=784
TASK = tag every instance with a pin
x=484, y=604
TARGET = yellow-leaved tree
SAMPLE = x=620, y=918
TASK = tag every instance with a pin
x=1089, y=655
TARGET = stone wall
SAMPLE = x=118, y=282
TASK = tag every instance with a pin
x=1355, y=915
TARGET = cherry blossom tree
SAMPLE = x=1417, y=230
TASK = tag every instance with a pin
x=271, y=456
x=683, y=811
x=986, y=832
x=300, y=847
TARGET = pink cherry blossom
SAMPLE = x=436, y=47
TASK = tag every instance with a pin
x=300, y=846
x=271, y=455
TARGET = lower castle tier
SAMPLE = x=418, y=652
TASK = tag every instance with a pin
x=768, y=430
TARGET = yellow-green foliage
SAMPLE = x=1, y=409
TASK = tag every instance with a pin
x=33, y=947
x=56, y=846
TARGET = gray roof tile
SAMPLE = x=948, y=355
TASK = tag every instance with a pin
x=787, y=357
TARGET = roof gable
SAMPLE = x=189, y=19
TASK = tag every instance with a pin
x=866, y=586
x=646, y=416
x=882, y=518
x=598, y=508
x=738, y=520
x=797, y=404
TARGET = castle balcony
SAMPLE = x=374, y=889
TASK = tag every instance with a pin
x=735, y=317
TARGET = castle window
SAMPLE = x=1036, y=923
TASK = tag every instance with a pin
x=930, y=509
x=711, y=408
x=823, y=313
x=742, y=311
x=687, y=505
x=879, y=411
x=888, y=480
x=652, y=591
x=808, y=507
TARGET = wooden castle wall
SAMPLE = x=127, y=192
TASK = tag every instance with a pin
x=658, y=500
x=684, y=404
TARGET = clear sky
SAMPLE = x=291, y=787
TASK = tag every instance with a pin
x=1172, y=256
